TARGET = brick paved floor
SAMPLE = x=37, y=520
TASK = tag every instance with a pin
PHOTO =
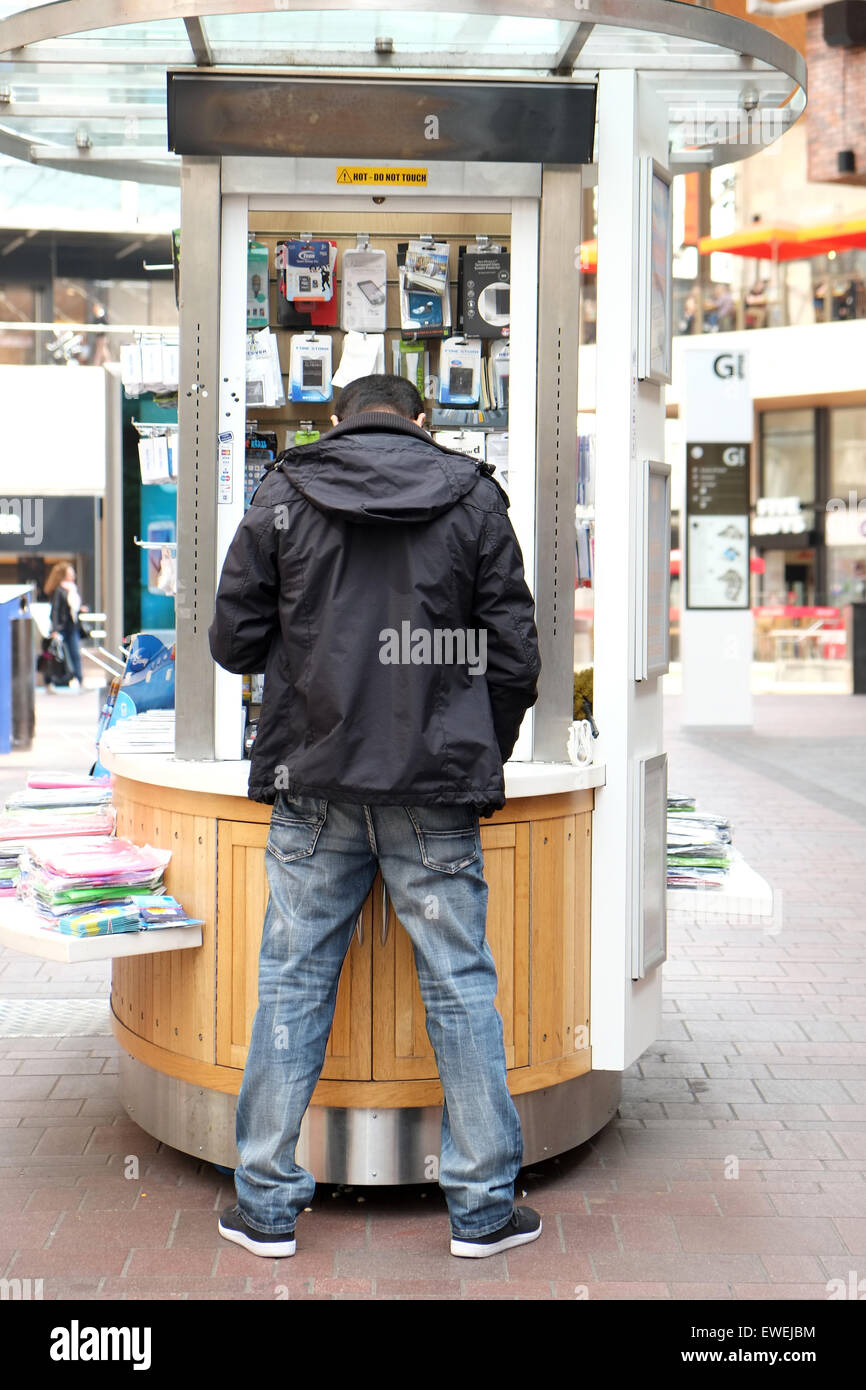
x=734, y=1169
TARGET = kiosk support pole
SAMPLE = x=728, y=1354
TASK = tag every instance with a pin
x=198, y=396
x=556, y=453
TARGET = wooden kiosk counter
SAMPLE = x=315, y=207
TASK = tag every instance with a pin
x=184, y=1017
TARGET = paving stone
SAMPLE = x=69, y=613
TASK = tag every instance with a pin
x=686, y=1267
x=64, y=1139
x=85, y=1087
x=802, y=1092
x=59, y=1064
x=758, y=1234
x=794, y=1269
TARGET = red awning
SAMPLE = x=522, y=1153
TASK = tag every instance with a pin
x=589, y=257
x=785, y=243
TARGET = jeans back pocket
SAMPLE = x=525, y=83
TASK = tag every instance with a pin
x=296, y=823
x=448, y=836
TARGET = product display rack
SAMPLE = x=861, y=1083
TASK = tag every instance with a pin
x=386, y=231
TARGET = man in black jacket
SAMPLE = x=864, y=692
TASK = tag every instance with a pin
x=377, y=581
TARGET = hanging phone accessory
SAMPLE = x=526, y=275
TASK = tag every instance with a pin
x=486, y=290
x=425, y=300
x=363, y=355
x=365, y=288
x=310, y=368
x=500, y=372
x=460, y=371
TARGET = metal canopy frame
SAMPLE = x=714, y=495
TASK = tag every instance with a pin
x=705, y=65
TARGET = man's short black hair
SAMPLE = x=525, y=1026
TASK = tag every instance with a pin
x=382, y=391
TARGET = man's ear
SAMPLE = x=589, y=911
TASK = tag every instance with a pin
x=419, y=419
x=335, y=420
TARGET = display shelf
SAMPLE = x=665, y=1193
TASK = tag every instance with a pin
x=231, y=777
x=745, y=894
x=21, y=931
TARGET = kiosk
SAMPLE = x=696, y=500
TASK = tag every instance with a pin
x=392, y=125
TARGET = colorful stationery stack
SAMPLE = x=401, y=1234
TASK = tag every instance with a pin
x=698, y=846
x=92, y=886
x=9, y=871
x=54, y=804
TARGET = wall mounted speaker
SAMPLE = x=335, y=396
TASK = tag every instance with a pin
x=845, y=24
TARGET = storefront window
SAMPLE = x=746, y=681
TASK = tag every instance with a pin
x=788, y=454
x=848, y=451
x=17, y=305
x=846, y=574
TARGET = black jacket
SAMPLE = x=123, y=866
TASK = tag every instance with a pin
x=353, y=580
x=61, y=614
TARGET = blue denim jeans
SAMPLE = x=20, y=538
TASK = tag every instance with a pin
x=72, y=638
x=321, y=861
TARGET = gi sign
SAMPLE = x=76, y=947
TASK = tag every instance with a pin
x=717, y=525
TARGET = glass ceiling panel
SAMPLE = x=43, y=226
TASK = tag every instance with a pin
x=606, y=43
x=436, y=34
x=161, y=32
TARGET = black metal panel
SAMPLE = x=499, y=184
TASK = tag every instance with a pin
x=520, y=122
x=81, y=255
x=49, y=525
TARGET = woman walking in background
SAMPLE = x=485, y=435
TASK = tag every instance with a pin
x=66, y=606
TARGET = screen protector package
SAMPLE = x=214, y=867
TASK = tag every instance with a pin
x=497, y=454
x=460, y=371
x=257, y=285
x=486, y=293
x=363, y=355
x=310, y=369
x=365, y=284
x=264, y=376
x=500, y=374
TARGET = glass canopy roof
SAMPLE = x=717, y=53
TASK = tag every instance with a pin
x=93, y=98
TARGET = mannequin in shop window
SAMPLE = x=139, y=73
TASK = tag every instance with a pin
x=66, y=610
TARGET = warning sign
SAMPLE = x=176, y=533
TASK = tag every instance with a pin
x=366, y=175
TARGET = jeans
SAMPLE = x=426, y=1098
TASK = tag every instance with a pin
x=321, y=861
x=72, y=638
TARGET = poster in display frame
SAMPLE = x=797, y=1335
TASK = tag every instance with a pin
x=717, y=527
x=649, y=880
x=653, y=570
x=655, y=273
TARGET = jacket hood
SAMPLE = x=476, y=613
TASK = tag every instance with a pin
x=378, y=467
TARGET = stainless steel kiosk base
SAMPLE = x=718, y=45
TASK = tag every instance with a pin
x=367, y=1147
